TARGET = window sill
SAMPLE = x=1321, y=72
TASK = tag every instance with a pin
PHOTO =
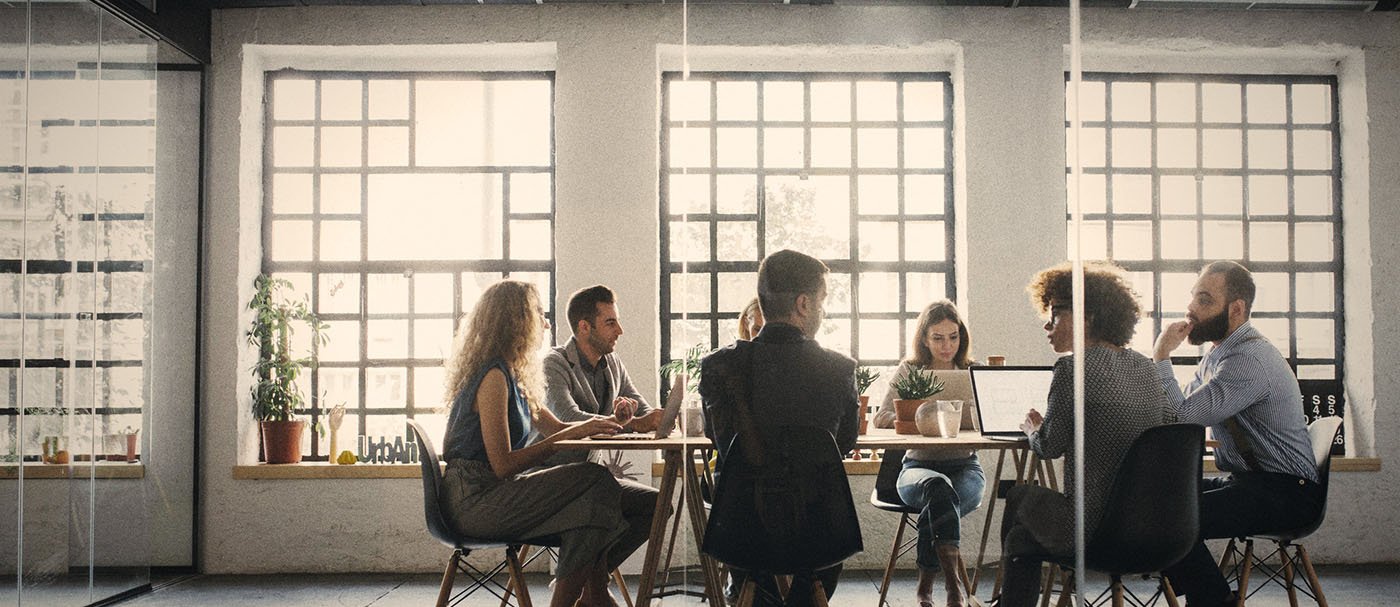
x=78, y=471
x=323, y=470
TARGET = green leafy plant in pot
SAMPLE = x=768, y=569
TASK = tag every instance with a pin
x=275, y=395
x=913, y=390
x=689, y=365
x=865, y=377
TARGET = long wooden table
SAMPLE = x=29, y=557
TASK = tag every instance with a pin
x=677, y=451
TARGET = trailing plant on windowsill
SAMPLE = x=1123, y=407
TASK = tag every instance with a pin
x=918, y=385
x=275, y=319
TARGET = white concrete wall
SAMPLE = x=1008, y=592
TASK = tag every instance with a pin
x=1010, y=75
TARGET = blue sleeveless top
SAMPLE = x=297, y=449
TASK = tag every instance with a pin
x=463, y=439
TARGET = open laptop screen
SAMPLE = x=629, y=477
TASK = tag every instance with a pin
x=1005, y=394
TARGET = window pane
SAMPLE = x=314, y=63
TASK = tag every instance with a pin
x=925, y=194
x=1268, y=149
x=1271, y=292
x=879, y=241
x=737, y=147
x=925, y=241
x=1313, y=242
x=293, y=99
x=388, y=294
x=688, y=100
x=736, y=100
x=1268, y=241
x=782, y=148
x=531, y=193
x=432, y=293
x=1312, y=104
x=1223, y=195
x=340, y=193
x=340, y=241
x=388, y=146
x=291, y=193
x=923, y=101
x=878, y=194
x=924, y=148
x=811, y=215
x=737, y=240
x=690, y=241
x=531, y=240
x=831, y=147
x=736, y=193
x=1223, y=239
x=341, y=99
x=388, y=99
x=1093, y=193
x=1268, y=195
x=783, y=101
x=875, y=101
x=1179, y=240
x=1178, y=194
x=1265, y=103
x=1312, y=195
x=1316, y=292
x=1176, y=148
x=736, y=290
x=1132, y=101
x=879, y=292
x=920, y=289
x=1132, y=147
x=1312, y=150
x=879, y=339
x=1220, y=102
x=1176, y=102
x=831, y=101
x=434, y=216
x=689, y=193
x=877, y=148
x=340, y=293
x=1221, y=149
x=690, y=292
x=1132, y=194
x=432, y=338
x=1132, y=240
x=690, y=147
x=292, y=146
x=340, y=146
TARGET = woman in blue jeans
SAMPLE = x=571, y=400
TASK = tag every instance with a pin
x=945, y=485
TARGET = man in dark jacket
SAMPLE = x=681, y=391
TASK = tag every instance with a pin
x=791, y=379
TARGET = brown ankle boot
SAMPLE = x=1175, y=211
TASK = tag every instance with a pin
x=950, y=561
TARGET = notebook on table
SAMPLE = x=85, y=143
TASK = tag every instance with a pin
x=1005, y=394
x=669, y=413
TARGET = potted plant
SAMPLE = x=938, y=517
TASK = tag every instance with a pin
x=865, y=377
x=914, y=389
x=688, y=364
x=275, y=394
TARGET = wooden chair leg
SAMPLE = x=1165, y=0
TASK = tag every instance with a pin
x=1066, y=590
x=1246, y=563
x=517, y=576
x=1227, y=558
x=784, y=583
x=1049, y=587
x=448, y=576
x=1117, y=591
x=894, y=554
x=525, y=550
x=746, y=594
x=622, y=585
x=818, y=594
x=1168, y=592
x=1312, y=576
x=1287, y=562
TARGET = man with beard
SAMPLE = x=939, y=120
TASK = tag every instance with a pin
x=1245, y=391
x=584, y=379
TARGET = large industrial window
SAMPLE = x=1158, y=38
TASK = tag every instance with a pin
x=1180, y=170
x=391, y=201
x=854, y=169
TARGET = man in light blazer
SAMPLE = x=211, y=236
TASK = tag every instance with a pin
x=583, y=377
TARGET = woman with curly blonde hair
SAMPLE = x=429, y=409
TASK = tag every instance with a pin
x=494, y=386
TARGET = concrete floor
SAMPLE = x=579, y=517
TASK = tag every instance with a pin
x=1345, y=586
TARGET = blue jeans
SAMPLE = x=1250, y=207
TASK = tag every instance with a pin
x=945, y=491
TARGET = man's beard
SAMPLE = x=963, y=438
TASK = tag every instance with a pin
x=1210, y=329
x=600, y=345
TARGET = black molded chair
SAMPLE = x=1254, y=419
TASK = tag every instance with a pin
x=788, y=512
x=885, y=496
x=462, y=546
x=1152, y=517
x=1322, y=433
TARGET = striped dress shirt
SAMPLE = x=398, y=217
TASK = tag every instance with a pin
x=1245, y=377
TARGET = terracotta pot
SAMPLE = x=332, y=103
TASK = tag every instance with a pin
x=903, y=427
x=282, y=441
x=904, y=409
x=863, y=412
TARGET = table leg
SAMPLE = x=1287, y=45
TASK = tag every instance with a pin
x=657, y=538
x=696, y=506
x=987, y=524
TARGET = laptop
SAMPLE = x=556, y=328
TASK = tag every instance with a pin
x=957, y=385
x=1005, y=394
x=669, y=413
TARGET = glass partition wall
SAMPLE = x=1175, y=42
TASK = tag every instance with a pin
x=77, y=197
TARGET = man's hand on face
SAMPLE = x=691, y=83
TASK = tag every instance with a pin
x=645, y=423
x=1170, y=339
